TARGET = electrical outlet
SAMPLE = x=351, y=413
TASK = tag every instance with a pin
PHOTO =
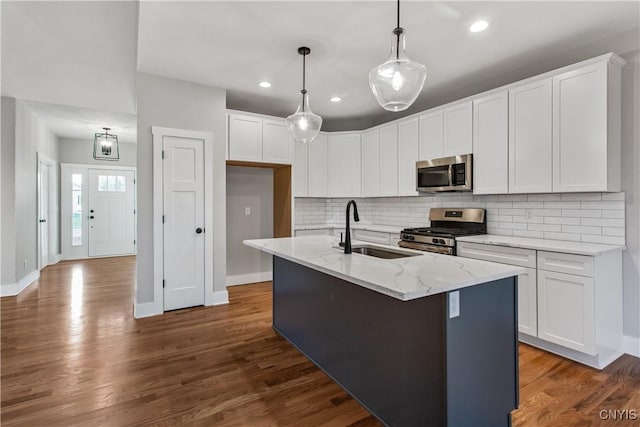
x=529, y=214
x=247, y=211
x=454, y=304
x=24, y=264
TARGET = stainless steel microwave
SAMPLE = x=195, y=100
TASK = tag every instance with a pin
x=453, y=173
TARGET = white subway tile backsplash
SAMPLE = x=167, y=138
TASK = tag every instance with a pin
x=594, y=217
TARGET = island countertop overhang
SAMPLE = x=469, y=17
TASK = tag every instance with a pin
x=402, y=278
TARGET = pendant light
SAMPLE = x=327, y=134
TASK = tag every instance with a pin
x=105, y=146
x=398, y=81
x=304, y=125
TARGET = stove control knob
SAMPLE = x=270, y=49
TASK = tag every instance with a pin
x=441, y=241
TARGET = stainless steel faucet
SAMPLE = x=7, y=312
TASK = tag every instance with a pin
x=347, y=238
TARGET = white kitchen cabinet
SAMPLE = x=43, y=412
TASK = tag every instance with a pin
x=389, y=160
x=380, y=161
x=431, y=135
x=277, y=144
x=528, y=302
x=568, y=304
x=344, y=160
x=565, y=310
x=408, y=140
x=300, y=154
x=371, y=163
x=586, y=128
x=314, y=232
x=530, y=137
x=258, y=139
x=490, y=144
x=245, y=138
x=458, y=129
x=317, y=166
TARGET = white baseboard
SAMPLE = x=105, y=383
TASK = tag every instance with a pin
x=13, y=289
x=631, y=345
x=55, y=258
x=220, y=297
x=146, y=309
x=243, y=279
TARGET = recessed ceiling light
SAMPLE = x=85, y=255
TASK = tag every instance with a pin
x=478, y=26
x=336, y=99
x=265, y=84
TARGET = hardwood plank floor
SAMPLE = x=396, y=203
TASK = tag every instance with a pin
x=72, y=354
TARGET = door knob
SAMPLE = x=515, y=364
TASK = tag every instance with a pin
x=199, y=230
x=91, y=211
x=91, y=217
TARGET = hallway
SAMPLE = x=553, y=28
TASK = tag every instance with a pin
x=72, y=354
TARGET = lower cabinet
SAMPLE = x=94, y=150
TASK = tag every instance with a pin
x=568, y=304
x=314, y=232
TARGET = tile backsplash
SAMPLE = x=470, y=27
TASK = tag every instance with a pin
x=585, y=217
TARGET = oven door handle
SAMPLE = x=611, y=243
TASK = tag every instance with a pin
x=426, y=247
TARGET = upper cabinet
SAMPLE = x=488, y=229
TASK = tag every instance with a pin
x=380, y=161
x=318, y=166
x=408, y=141
x=431, y=135
x=490, y=145
x=344, y=164
x=530, y=118
x=458, y=129
x=586, y=128
x=256, y=139
x=300, y=172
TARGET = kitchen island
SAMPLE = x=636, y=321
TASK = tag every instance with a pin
x=424, y=340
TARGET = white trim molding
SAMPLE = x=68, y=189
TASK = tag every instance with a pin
x=245, y=279
x=146, y=309
x=13, y=289
x=220, y=298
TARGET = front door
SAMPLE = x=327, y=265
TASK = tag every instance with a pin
x=183, y=216
x=111, y=212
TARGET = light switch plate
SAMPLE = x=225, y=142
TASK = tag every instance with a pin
x=454, y=304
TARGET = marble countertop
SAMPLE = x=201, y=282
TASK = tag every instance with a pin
x=402, y=278
x=354, y=226
x=579, y=248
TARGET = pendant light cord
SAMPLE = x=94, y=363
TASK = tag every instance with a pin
x=397, y=31
x=304, y=74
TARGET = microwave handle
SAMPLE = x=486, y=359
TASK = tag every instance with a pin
x=451, y=174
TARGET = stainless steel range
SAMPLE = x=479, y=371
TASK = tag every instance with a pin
x=446, y=224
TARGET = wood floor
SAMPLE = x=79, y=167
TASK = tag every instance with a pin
x=72, y=354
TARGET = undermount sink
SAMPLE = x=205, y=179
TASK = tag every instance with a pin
x=379, y=252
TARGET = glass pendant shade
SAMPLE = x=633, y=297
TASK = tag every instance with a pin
x=304, y=125
x=398, y=81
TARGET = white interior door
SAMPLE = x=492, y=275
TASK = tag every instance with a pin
x=111, y=212
x=183, y=216
x=43, y=208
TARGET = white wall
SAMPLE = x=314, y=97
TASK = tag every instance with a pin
x=252, y=188
x=80, y=151
x=178, y=104
x=7, y=232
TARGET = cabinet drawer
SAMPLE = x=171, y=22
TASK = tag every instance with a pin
x=316, y=232
x=371, y=236
x=501, y=254
x=566, y=263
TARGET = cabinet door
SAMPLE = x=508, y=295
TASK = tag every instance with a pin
x=566, y=310
x=490, y=144
x=580, y=130
x=277, y=144
x=317, y=166
x=245, y=138
x=389, y=160
x=458, y=130
x=344, y=165
x=431, y=135
x=300, y=154
x=528, y=302
x=407, y=156
x=371, y=163
x=530, y=138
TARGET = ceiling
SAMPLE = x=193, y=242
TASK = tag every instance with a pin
x=235, y=45
x=85, y=54
x=82, y=123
